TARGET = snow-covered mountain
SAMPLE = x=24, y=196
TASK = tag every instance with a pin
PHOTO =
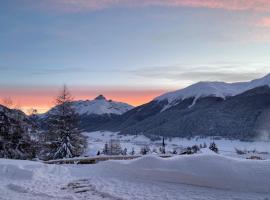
x=93, y=114
x=99, y=106
x=214, y=89
x=234, y=110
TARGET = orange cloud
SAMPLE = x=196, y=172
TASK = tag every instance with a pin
x=79, y=5
x=42, y=98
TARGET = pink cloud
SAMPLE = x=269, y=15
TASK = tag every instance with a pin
x=264, y=22
x=80, y=5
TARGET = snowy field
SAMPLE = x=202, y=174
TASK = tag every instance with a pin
x=96, y=141
x=204, y=176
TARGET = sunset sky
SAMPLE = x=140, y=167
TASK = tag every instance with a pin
x=128, y=50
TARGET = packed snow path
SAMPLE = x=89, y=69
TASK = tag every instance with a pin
x=200, y=177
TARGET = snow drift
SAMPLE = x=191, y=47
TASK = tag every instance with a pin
x=213, y=171
x=150, y=177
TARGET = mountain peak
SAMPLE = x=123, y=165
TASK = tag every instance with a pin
x=217, y=89
x=100, y=97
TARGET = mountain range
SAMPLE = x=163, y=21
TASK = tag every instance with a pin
x=232, y=110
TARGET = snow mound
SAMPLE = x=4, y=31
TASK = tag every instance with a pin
x=28, y=170
x=215, y=89
x=14, y=172
x=16, y=169
x=206, y=170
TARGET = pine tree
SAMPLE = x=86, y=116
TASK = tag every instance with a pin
x=106, y=149
x=162, y=149
x=15, y=143
x=213, y=147
x=195, y=149
x=124, y=152
x=132, y=151
x=63, y=139
x=145, y=150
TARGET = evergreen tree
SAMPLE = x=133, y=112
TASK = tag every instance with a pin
x=145, y=150
x=124, y=152
x=15, y=143
x=132, y=151
x=213, y=147
x=63, y=139
x=195, y=149
x=204, y=145
x=162, y=149
x=106, y=149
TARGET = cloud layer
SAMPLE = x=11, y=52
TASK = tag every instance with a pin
x=80, y=5
x=220, y=71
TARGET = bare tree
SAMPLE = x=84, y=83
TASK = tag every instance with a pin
x=7, y=101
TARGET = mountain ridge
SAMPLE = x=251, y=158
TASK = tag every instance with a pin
x=215, y=89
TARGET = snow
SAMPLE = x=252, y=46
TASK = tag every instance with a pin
x=96, y=141
x=206, y=176
x=216, y=89
x=99, y=106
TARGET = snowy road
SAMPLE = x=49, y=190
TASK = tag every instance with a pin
x=203, y=177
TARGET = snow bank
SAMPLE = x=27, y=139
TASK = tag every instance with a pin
x=28, y=170
x=15, y=170
x=32, y=180
x=205, y=176
x=213, y=171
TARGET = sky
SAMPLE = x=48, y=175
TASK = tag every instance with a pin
x=127, y=50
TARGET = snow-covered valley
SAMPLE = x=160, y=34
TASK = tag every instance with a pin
x=96, y=141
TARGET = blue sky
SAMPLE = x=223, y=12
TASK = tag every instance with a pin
x=135, y=46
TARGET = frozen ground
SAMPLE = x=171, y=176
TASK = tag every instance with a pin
x=201, y=177
x=97, y=140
